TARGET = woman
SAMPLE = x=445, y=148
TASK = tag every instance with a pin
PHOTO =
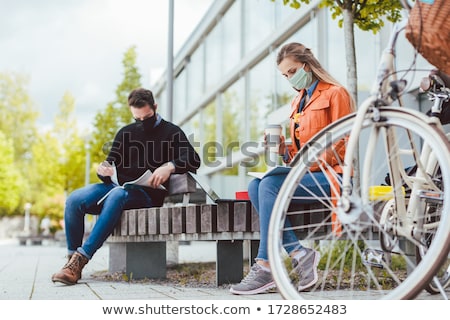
x=321, y=100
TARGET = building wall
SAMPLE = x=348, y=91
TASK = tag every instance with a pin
x=227, y=86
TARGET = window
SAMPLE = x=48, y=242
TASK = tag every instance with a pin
x=195, y=72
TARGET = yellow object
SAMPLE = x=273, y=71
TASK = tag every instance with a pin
x=297, y=117
x=382, y=193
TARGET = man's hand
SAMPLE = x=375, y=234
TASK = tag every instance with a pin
x=161, y=175
x=105, y=169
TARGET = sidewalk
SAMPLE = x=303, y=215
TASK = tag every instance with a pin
x=25, y=273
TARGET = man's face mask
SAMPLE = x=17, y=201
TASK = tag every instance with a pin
x=146, y=124
x=301, y=79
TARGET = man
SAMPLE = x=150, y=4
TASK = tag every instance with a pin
x=150, y=143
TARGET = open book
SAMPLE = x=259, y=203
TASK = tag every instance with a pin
x=141, y=181
x=278, y=170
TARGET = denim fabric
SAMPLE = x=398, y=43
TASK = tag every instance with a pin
x=263, y=192
x=84, y=201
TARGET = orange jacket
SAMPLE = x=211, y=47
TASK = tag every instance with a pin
x=327, y=104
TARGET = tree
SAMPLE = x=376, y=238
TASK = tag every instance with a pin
x=17, y=135
x=72, y=162
x=116, y=114
x=17, y=113
x=11, y=181
x=45, y=177
x=57, y=163
x=131, y=80
x=366, y=14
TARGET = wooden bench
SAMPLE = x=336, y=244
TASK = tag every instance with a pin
x=138, y=243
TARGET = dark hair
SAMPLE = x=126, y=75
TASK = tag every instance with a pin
x=141, y=97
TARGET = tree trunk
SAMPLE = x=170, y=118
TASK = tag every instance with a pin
x=350, y=54
x=352, y=78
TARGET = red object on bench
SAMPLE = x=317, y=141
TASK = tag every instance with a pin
x=242, y=195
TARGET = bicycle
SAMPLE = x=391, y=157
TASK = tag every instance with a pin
x=383, y=228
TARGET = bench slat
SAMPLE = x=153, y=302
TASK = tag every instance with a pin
x=142, y=222
x=224, y=217
x=193, y=219
x=165, y=223
x=153, y=220
x=178, y=220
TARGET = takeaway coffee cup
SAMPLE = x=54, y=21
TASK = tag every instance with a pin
x=273, y=139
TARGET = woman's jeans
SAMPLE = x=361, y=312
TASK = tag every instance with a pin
x=84, y=201
x=263, y=192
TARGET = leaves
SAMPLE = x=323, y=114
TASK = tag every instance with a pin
x=368, y=14
x=116, y=114
x=11, y=180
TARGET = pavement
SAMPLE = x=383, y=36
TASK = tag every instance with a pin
x=25, y=273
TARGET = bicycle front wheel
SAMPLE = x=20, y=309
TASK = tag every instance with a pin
x=368, y=251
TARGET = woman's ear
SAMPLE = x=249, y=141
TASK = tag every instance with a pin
x=307, y=68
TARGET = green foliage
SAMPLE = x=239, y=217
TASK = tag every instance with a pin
x=52, y=207
x=131, y=80
x=57, y=163
x=17, y=113
x=44, y=173
x=11, y=181
x=294, y=3
x=72, y=164
x=106, y=126
x=232, y=128
x=367, y=14
x=207, y=124
x=18, y=132
x=53, y=162
x=340, y=254
x=116, y=114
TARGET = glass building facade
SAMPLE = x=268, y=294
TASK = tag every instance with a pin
x=227, y=88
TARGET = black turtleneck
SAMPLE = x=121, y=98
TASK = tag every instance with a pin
x=149, y=144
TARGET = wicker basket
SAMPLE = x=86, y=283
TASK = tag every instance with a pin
x=428, y=30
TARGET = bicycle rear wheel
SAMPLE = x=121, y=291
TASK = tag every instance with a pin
x=364, y=254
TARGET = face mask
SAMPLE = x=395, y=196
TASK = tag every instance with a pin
x=301, y=79
x=147, y=124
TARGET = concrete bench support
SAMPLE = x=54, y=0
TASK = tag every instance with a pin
x=139, y=260
x=229, y=262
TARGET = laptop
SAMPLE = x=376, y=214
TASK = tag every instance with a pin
x=210, y=192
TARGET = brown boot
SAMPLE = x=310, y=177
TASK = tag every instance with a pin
x=71, y=272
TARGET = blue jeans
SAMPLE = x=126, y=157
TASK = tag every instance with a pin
x=263, y=192
x=84, y=201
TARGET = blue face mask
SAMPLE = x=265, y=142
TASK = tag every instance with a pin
x=301, y=79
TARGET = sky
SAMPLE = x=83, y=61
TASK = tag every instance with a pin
x=78, y=46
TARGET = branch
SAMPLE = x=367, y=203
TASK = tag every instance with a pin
x=340, y=3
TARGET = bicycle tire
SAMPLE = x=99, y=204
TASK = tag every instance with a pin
x=345, y=264
x=432, y=212
x=442, y=275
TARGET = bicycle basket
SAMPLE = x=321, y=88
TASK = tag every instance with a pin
x=428, y=30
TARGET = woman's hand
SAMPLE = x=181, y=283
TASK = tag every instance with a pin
x=281, y=147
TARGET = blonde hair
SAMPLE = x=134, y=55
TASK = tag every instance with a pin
x=300, y=53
